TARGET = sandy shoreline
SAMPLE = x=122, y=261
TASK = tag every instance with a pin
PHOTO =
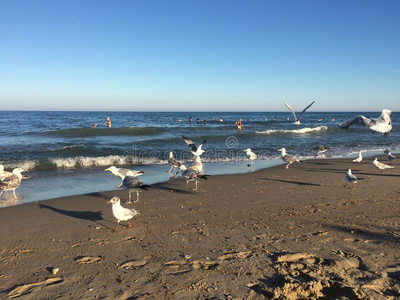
x=233, y=239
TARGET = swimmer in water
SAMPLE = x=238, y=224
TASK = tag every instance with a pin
x=239, y=124
x=94, y=125
x=221, y=120
x=108, y=122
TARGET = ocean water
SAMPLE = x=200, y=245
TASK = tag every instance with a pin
x=60, y=150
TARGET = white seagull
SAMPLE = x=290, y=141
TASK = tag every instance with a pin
x=196, y=151
x=380, y=166
x=11, y=183
x=383, y=124
x=359, y=158
x=350, y=178
x=288, y=158
x=173, y=162
x=391, y=157
x=297, y=120
x=121, y=173
x=191, y=175
x=251, y=156
x=131, y=183
x=121, y=213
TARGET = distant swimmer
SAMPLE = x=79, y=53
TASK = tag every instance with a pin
x=333, y=119
x=108, y=122
x=179, y=121
x=190, y=120
x=221, y=120
x=198, y=120
x=238, y=124
x=320, y=119
x=205, y=121
x=94, y=125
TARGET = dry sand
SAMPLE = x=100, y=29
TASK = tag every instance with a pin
x=273, y=233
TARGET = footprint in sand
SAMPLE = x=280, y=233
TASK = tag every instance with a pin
x=134, y=264
x=204, y=264
x=229, y=256
x=29, y=288
x=84, y=260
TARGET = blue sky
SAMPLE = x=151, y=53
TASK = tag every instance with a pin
x=199, y=55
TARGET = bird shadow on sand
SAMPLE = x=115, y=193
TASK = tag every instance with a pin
x=94, y=216
x=168, y=188
x=291, y=182
x=356, y=172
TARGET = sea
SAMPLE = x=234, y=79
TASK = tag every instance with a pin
x=63, y=155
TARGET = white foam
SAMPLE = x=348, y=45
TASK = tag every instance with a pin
x=294, y=131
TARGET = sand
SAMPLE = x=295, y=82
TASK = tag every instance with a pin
x=269, y=234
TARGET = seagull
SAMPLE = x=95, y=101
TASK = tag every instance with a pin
x=390, y=157
x=4, y=174
x=121, y=213
x=359, y=158
x=197, y=164
x=380, y=165
x=251, y=156
x=297, y=120
x=12, y=182
x=383, y=124
x=121, y=173
x=130, y=182
x=350, y=178
x=173, y=162
x=387, y=151
x=196, y=151
x=321, y=149
x=288, y=158
x=191, y=175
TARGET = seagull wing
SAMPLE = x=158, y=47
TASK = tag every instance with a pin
x=131, y=182
x=10, y=182
x=191, y=144
x=304, y=110
x=123, y=171
x=200, y=146
x=357, y=120
x=290, y=108
x=383, y=124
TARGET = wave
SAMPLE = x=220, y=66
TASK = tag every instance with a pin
x=294, y=131
x=89, y=132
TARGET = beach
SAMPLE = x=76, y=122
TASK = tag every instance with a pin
x=269, y=234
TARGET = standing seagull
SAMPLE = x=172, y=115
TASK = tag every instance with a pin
x=288, y=158
x=121, y=213
x=196, y=151
x=121, y=173
x=350, y=178
x=251, y=156
x=12, y=182
x=380, y=166
x=297, y=120
x=383, y=124
x=390, y=157
x=359, y=158
x=191, y=175
x=173, y=162
x=131, y=183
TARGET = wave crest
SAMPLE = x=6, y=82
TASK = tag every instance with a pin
x=294, y=131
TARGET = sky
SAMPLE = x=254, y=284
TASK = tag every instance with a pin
x=219, y=55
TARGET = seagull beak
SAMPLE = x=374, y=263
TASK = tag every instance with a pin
x=107, y=169
x=109, y=202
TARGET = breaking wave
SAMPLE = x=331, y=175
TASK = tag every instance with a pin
x=294, y=131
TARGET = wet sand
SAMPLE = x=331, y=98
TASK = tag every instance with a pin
x=272, y=233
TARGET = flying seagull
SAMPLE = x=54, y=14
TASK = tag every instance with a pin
x=131, y=183
x=380, y=166
x=196, y=151
x=288, y=158
x=121, y=173
x=251, y=156
x=383, y=124
x=173, y=162
x=359, y=158
x=321, y=149
x=297, y=120
x=11, y=183
x=350, y=178
x=121, y=213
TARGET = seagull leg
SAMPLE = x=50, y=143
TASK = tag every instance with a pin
x=129, y=201
x=196, y=185
x=137, y=197
x=116, y=228
x=120, y=186
x=187, y=184
x=170, y=169
x=1, y=193
x=287, y=166
x=14, y=194
x=129, y=224
x=353, y=185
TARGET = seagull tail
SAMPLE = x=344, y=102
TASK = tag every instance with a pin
x=204, y=177
x=144, y=187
